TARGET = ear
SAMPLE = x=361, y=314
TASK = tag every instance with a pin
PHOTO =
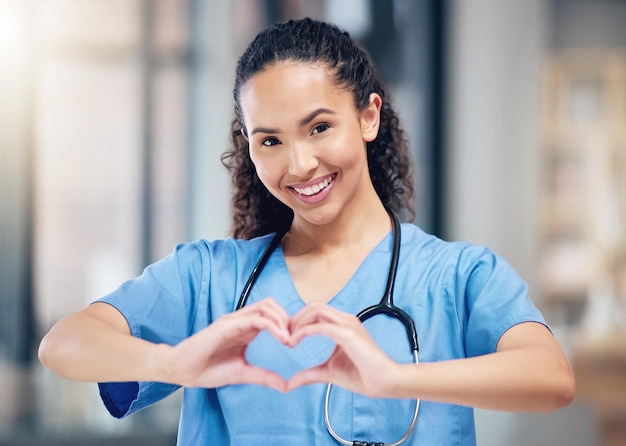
x=370, y=118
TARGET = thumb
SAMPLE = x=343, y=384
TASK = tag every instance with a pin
x=263, y=377
x=318, y=374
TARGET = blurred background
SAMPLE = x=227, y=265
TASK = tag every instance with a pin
x=114, y=113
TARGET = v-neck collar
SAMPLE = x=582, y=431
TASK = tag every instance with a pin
x=351, y=298
x=295, y=303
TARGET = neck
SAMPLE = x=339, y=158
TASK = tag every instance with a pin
x=360, y=228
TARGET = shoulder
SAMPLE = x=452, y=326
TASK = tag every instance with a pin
x=216, y=254
x=417, y=242
x=214, y=249
x=454, y=261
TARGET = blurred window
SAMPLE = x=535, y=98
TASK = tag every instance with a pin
x=111, y=151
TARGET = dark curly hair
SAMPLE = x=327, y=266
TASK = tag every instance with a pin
x=255, y=211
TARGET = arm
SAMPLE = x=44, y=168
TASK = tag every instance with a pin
x=95, y=345
x=528, y=372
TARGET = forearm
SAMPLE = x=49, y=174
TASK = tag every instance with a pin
x=85, y=348
x=531, y=379
x=96, y=345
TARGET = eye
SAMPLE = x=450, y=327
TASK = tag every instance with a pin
x=319, y=128
x=269, y=142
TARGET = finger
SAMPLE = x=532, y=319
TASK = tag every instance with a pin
x=314, y=375
x=314, y=312
x=268, y=310
x=335, y=332
x=241, y=325
x=350, y=337
x=262, y=377
x=340, y=327
x=244, y=329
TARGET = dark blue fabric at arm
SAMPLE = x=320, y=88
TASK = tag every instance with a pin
x=117, y=397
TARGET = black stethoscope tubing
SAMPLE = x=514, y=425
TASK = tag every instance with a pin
x=386, y=306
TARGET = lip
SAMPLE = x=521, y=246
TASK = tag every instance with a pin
x=315, y=197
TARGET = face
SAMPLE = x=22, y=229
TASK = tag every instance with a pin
x=308, y=140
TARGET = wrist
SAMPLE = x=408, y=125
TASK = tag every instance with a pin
x=159, y=364
x=406, y=381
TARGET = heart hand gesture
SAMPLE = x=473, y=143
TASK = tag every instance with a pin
x=216, y=357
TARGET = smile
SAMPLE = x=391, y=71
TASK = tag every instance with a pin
x=315, y=188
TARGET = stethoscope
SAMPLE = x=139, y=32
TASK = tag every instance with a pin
x=386, y=306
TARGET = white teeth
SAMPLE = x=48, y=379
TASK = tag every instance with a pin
x=316, y=188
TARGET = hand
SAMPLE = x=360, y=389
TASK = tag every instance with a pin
x=357, y=364
x=215, y=356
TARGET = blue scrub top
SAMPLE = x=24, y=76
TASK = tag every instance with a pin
x=462, y=298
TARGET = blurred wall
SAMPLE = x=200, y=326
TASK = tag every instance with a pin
x=496, y=56
x=212, y=81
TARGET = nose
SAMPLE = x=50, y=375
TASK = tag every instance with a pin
x=302, y=160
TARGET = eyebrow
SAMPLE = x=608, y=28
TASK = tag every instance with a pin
x=302, y=122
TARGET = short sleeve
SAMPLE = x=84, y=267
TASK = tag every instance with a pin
x=495, y=299
x=160, y=307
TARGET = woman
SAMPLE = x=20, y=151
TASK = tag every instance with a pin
x=318, y=153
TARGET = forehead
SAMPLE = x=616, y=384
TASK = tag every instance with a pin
x=284, y=88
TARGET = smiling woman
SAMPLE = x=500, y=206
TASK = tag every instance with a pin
x=320, y=166
x=306, y=132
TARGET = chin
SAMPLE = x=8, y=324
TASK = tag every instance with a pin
x=318, y=217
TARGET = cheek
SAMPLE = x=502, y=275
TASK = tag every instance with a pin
x=350, y=152
x=266, y=170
